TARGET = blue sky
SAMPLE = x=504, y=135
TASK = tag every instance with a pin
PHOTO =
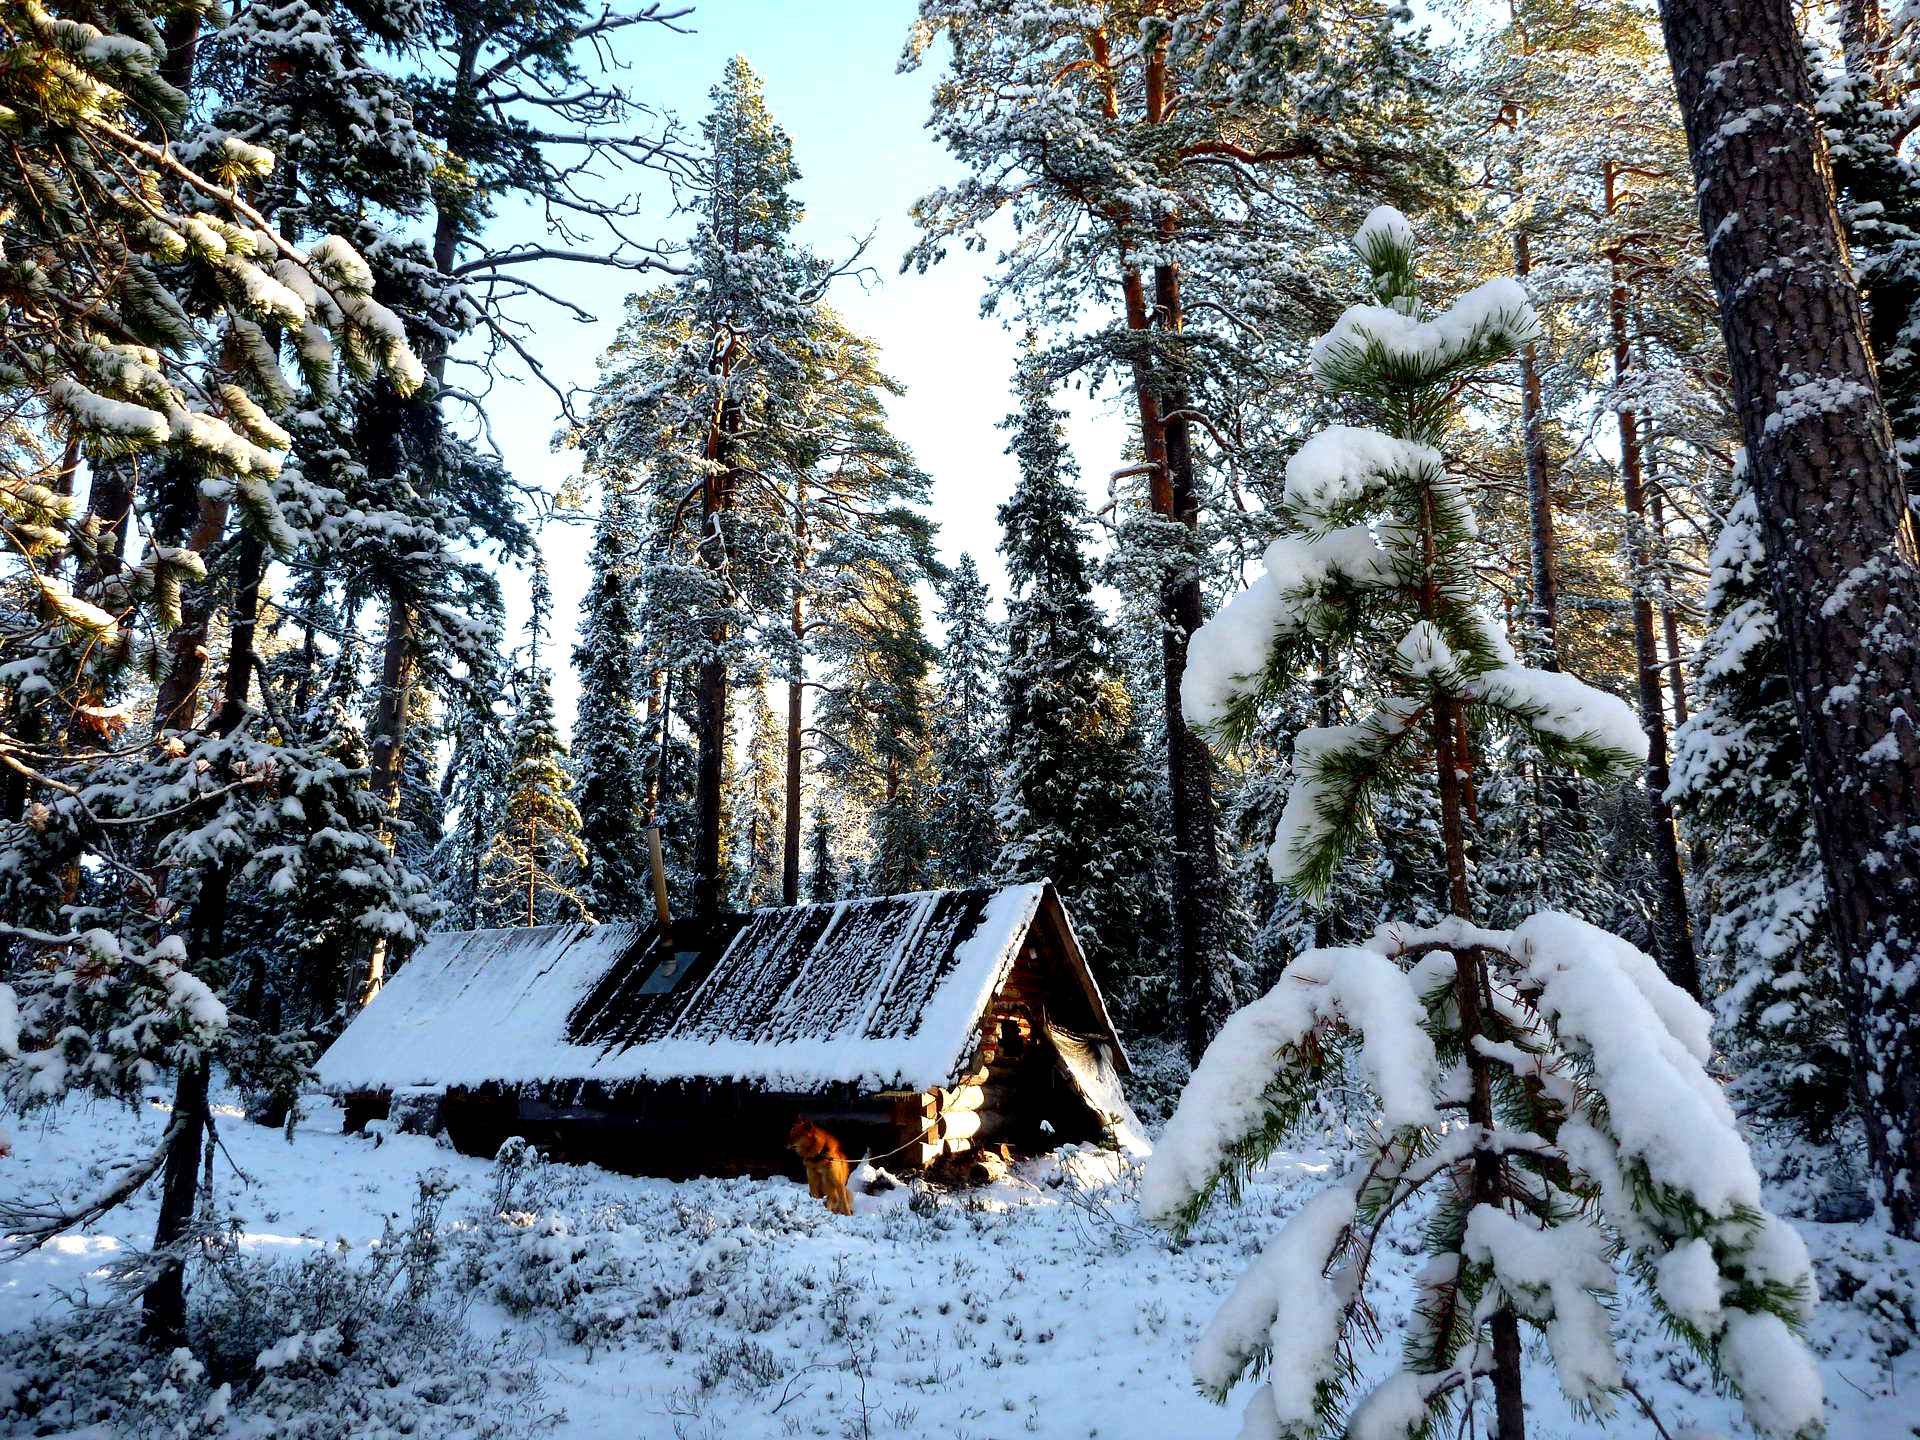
x=864, y=156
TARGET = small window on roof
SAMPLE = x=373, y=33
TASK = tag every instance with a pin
x=669, y=972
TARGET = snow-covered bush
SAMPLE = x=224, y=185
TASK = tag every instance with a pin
x=329, y=1346
x=559, y=1246
x=1543, y=1090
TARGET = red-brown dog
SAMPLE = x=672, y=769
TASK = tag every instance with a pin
x=826, y=1164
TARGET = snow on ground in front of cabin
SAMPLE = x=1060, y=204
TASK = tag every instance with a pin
x=738, y=1308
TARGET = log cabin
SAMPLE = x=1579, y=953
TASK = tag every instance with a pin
x=955, y=1028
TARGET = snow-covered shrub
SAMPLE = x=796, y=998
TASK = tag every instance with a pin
x=1541, y=1091
x=605, y=1267
x=329, y=1346
x=90, y=1369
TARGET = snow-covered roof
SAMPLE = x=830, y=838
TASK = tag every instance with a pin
x=882, y=993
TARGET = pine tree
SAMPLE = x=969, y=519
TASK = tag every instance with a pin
x=1608, y=251
x=131, y=873
x=706, y=387
x=530, y=875
x=1137, y=132
x=1073, y=806
x=967, y=730
x=1591, y=1124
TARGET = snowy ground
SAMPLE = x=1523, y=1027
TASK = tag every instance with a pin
x=742, y=1309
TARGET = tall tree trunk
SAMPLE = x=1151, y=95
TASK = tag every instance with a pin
x=387, y=759
x=1676, y=937
x=660, y=707
x=176, y=703
x=790, y=839
x=419, y=416
x=397, y=662
x=164, y=1301
x=796, y=684
x=111, y=487
x=711, y=700
x=1543, y=608
x=1834, y=517
x=182, y=35
x=1200, y=898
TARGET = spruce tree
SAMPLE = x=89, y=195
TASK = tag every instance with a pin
x=531, y=873
x=611, y=752
x=1863, y=96
x=1162, y=167
x=1073, y=788
x=1740, y=775
x=758, y=809
x=476, y=785
x=823, y=879
x=873, y=721
x=1591, y=1125
x=967, y=731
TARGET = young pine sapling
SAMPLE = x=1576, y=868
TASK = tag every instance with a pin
x=1547, y=1083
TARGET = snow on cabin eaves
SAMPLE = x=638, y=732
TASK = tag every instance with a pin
x=881, y=993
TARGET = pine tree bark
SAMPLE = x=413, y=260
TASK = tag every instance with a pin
x=1835, y=522
x=790, y=838
x=243, y=619
x=176, y=703
x=386, y=758
x=397, y=662
x=1669, y=617
x=1670, y=887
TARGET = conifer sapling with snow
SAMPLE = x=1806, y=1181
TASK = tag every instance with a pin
x=1543, y=1089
